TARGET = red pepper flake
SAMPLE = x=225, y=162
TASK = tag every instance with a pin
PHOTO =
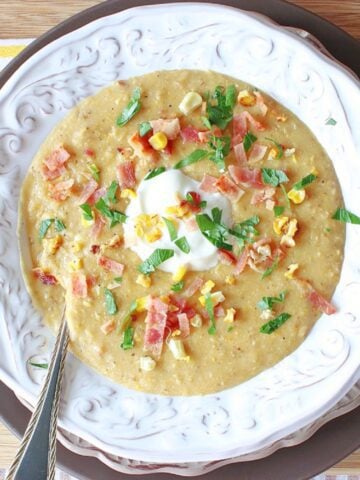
x=45, y=278
x=90, y=152
x=95, y=249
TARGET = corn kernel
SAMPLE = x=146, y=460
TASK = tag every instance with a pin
x=196, y=321
x=77, y=246
x=147, y=364
x=209, y=285
x=291, y=269
x=176, y=347
x=75, y=264
x=143, y=280
x=179, y=211
x=297, y=196
x=314, y=171
x=273, y=153
x=267, y=314
x=190, y=102
x=279, y=223
x=128, y=193
x=154, y=235
x=230, y=279
x=287, y=241
x=216, y=298
x=281, y=118
x=176, y=333
x=292, y=227
x=179, y=274
x=52, y=245
x=158, y=141
x=87, y=223
x=289, y=152
x=246, y=98
x=116, y=241
x=142, y=304
x=230, y=315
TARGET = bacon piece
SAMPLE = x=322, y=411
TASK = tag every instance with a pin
x=111, y=265
x=256, y=125
x=87, y=191
x=194, y=286
x=219, y=311
x=168, y=150
x=45, y=278
x=263, y=195
x=240, y=154
x=246, y=176
x=142, y=147
x=242, y=261
x=208, y=184
x=194, y=205
x=155, y=322
x=126, y=174
x=204, y=137
x=190, y=134
x=260, y=103
x=227, y=257
x=61, y=191
x=191, y=224
x=314, y=297
x=99, y=193
x=52, y=175
x=97, y=227
x=91, y=281
x=184, y=324
x=240, y=126
x=257, y=152
x=95, y=249
x=89, y=152
x=79, y=285
x=56, y=159
x=169, y=126
x=228, y=188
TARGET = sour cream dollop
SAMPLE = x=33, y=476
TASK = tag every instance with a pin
x=154, y=196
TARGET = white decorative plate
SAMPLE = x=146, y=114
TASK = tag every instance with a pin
x=254, y=416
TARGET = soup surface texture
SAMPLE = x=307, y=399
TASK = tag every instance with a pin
x=185, y=220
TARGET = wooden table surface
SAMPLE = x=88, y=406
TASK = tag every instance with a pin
x=31, y=18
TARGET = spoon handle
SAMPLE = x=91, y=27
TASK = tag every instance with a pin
x=36, y=457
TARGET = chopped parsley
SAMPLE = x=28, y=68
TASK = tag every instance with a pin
x=266, y=303
x=171, y=228
x=210, y=310
x=87, y=212
x=220, y=148
x=245, y=231
x=249, y=139
x=274, y=324
x=183, y=244
x=287, y=200
x=331, y=121
x=125, y=321
x=177, y=287
x=304, y=181
x=110, y=304
x=118, y=279
x=128, y=338
x=206, y=122
x=194, y=157
x=191, y=198
x=213, y=230
x=110, y=196
x=220, y=106
x=46, y=224
x=270, y=270
x=95, y=172
x=155, y=172
x=278, y=210
x=39, y=365
x=131, y=109
x=114, y=216
x=59, y=225
x=278, y=146
x=159, y=256
x=345, y=216
x=144, y=128
x=273, y=177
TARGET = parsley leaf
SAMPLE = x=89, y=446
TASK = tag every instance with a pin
x=125, y=321
x=183, y=244
x=273, y=177
x=144, y=128
x=331, y=121
x=210, y=310
x=206, y=122
x=219, y=107
x=278, y=146
x=39, y=365
x=345, y=216
x=155, y=172
x=110, y=196
x=118, y=279
x=160, y=255
x=220, y=147
x=274, y=324
x=44, y=227
x=113, y=215
x=266, y=303
x=95, y=172
x=131, y=109
x=304, y=181
x=110, y=303
x=287, y=200
x=194, y=157
x=177, y=287
x=270, y=270
x=87, y=212
x=245, y=231
x=213, y=231
x=249, y=139
x=128, y=339
x=171, y=228
x=278, y=210
x=230, y=96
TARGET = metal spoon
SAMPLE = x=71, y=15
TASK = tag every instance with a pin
x=36, y=457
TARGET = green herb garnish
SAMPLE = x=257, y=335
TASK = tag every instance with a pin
x=128, y=339
x=283, y=189
x=270, y=270
x=95, y=172
x=118, y=279
x=220, y=147
x=273, y=177
x=39, y=365
x=304, y=181
x=249, y=139
x=171, y=228
x=160, y=255
x=44, y=227
x=87, y=212
x=210, y=310
x=266, y=303
x=278, y=146
x=183, y=244
x=110, y=303
x=144, y=128
x=278, y=210
x=194, y=157
x=230, y=328
x=274, y=324
x=213, y=231
x=155, y=172
x=220, y=105
x=206, y=122
x=125, y=321
x=110, y=196
x=114, y=216
x=131, y=109
x=230, y=96
x=331, y=121
x=245, y=231
x=177, y=287
x=345, y=216
x=59, y=225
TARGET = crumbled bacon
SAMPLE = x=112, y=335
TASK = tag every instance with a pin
x=184, y=324
x=228, y=188
x=242, y=261
x=260, y=103
x=45, y=278
x=61, y=191
x=246, y=176
x=169, y=126
x=142, y=147
x=219, y=311
x=97, y=227
x=194, y=286
x=265, y=195
x=110, y=265
x=226, y=257
x=208, y=184
x=87, y=191
x=79, y=285
x=190, y=134
x=314, y=297
x=194, y=204
x=56, y=159
x=89, y=152
x=52, y=175
x=99, y=193
x=126, y=174
x=257, y=152
x=240, y=126
x=155, y=322
x=240, y=154
x=95, y=249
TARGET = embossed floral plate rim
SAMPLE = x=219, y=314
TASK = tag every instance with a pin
x=336, y=348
